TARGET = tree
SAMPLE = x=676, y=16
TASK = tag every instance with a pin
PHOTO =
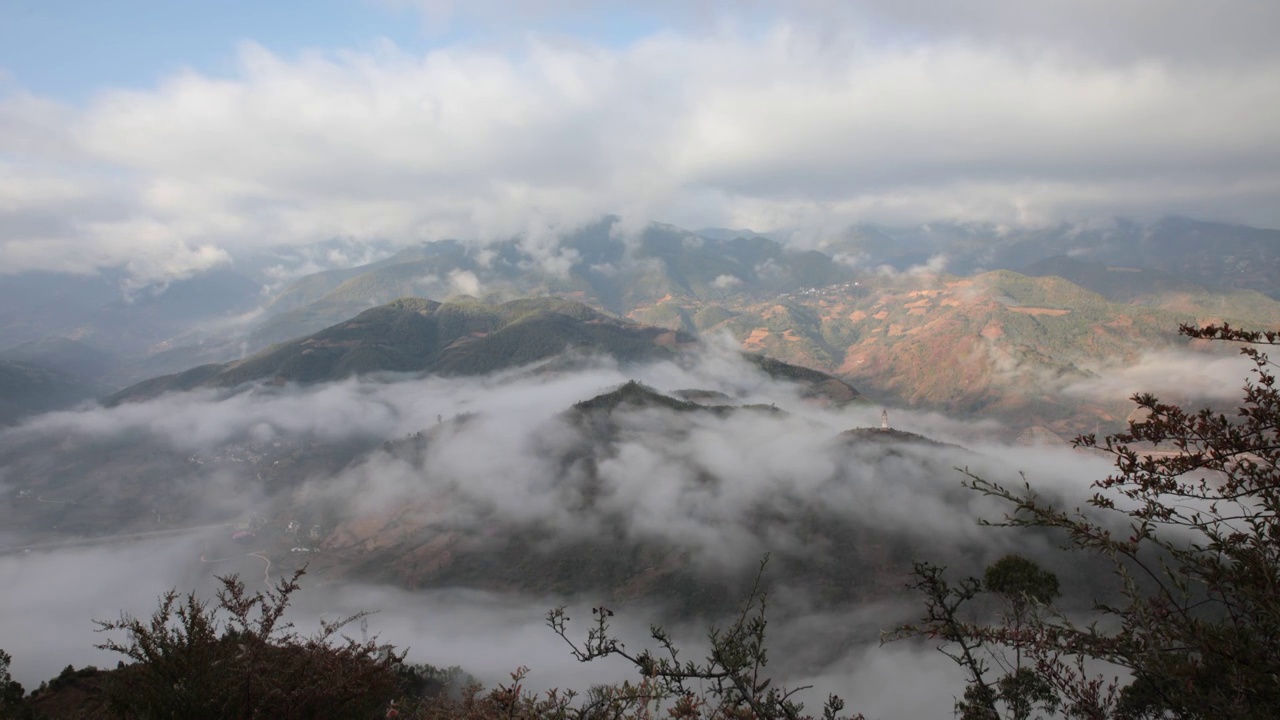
x=1188, y=522
x=995, y=687
x=1022, y=585
x=730, y=681
x=11, y=692
x=240, y=658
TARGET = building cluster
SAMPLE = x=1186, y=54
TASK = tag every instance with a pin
x=253, y=454
x=820, y=292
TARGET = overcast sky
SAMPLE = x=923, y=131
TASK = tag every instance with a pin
x=166, y=135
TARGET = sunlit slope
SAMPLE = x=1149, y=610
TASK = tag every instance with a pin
x=995, y=342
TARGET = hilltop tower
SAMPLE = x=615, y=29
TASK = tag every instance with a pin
x=884, y=419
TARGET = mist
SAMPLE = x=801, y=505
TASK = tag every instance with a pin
x=474, y=460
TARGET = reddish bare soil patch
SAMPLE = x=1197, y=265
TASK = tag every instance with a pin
x=756, y=338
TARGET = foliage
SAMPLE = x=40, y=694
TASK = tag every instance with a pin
x=506, y=702
x=1019, y=690
x=240, y=658
x=1021, y=582
x=1189, y=524
x=729, y=683
x=11, y=692
x=423, y=681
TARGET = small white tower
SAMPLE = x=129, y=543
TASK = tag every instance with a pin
x=884, y=419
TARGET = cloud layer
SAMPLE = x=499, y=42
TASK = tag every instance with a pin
x=731, y=115
x=697, y=481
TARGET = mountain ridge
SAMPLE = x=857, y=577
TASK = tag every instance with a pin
x=459, y=338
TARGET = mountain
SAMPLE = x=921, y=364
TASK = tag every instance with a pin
x=1117, y=284
x=27, y=390
x=996, y=343
x=1219, y=256
x=594, y=265
x=108, y=312
x=637, y=395
x=114, y=312
x=1216, y=255
x=718, y=233
x=460, y=338
x=667, y=276
x=417, y=335
x=659, y=274
x=64, y=355
x=424, y=542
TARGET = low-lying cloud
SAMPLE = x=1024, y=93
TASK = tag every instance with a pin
x=1171, y=375
x=723, y=488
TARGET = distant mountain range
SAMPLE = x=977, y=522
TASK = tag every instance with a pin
x=1217, y=256
x=599, y=268
x=50, y=374
x=337, y=279
x=27, y=389
x=996, y=343
x=665, y=263
x=762, y=290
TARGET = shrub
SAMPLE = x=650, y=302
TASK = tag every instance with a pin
x=239, y=658
x=1190, y=523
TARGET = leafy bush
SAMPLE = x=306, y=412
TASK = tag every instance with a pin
x=11, y=692
x=239, y=658
x=1190, y=522
x=729, y=683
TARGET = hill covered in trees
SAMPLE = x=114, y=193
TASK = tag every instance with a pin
x=460, y=338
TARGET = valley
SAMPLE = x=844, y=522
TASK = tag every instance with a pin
x=640, y=436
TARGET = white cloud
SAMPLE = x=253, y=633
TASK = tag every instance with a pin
x=1171, y=375
x=697, y=480
x=813, y=120
x=465, y=282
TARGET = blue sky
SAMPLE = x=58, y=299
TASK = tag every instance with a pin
x=68, y=49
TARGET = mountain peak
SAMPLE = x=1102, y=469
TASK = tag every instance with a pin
x=466, y=337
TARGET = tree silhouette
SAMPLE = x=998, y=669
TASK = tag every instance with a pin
x=1188, y=521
